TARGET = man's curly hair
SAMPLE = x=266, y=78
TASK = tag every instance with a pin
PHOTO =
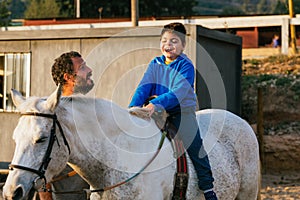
x=63, y=64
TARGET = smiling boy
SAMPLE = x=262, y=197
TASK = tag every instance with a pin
x=170, y=77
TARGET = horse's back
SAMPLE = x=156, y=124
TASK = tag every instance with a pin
x=232, y=147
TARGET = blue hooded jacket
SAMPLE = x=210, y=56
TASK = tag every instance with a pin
x=173, y=84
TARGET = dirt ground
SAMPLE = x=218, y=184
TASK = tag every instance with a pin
x=281, y=157
x=281, y=175
x=280, y=186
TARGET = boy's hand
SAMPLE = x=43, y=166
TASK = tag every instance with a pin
x=151, y=109
x=140, y=112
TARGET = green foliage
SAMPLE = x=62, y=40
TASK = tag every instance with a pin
x=4, y=12
x=265, y=78
x=248, y=7
x=296, y=86
x=208, y=7
x=49, y=9
x=287, y=86
x=234, y=11
x=281, y=8
x=296, y=6
x=67, y=8
x=178, y=8
x=89, y=9
x=248, y=81
x=263, y=7
x=17, y=9
x=111, y=9
x=283, y=81
x=147, y=8
x=42, y=9
x=272, y=80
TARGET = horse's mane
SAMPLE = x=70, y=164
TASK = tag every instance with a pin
x=90, y=104
x=80, y=99
x=102, y=118
x=108, y=113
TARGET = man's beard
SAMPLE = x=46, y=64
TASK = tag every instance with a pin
x=82, y=86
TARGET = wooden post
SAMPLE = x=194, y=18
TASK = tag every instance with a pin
x=293, y=29
x=77, y=6
x=285, y=35
x=135, y=12
x=260, y=126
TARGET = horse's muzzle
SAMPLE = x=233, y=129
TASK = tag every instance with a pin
x=19, y=194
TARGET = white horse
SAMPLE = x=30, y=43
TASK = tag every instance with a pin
x=108, y=145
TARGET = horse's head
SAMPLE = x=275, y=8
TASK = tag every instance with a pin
x=36, y=144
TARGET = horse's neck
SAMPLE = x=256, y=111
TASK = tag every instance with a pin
x=107, y=138
x=104, y=123
x=81, y=158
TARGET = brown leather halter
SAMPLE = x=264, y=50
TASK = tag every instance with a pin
x=47, y=157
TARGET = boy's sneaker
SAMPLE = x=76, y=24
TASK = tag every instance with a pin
x=210, y=195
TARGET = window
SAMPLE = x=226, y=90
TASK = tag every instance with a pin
x=14, y=73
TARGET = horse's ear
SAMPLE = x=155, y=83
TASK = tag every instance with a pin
x=17, y=97
x=53, y=99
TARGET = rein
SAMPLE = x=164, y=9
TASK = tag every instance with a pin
x=46, y=159
x=161, y=142
x=88, y=191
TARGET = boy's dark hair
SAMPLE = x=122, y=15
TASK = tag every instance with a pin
x=177, y=28
x=63, y=64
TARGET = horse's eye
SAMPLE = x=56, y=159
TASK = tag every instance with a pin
x=41, y=140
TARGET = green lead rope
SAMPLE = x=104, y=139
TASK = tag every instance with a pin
x=162, y=139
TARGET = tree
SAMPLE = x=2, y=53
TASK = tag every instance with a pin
x=147, y=8
x=262, y=7
x=161, y=8
x=112, y=8
x=67, y=8
x=281, y=7
x=17, y=9
x=296, y=6
x=4, y=12
x=232, y=11
x=42, y=9
x=245, y=6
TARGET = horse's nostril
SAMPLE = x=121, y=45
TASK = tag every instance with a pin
x=18, y=194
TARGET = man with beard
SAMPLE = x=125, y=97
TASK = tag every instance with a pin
x=71, y=71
